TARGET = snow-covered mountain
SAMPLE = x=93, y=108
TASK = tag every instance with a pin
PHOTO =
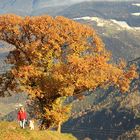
x=120, y=38
x=120, y=25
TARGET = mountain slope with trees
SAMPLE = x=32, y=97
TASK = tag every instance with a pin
x=107, y=114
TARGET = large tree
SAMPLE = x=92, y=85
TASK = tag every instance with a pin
x=56, y=57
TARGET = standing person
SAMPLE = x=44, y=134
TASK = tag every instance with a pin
x=22, y=116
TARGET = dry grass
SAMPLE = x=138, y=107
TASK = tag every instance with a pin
x=11, y=131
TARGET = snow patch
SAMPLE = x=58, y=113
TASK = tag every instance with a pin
x=122, y=24
x=136, y=4
x=103, y=22
x=135, y=14
x=100, y=22
x=137, y=28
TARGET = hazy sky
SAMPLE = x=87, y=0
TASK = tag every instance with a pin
x=46, y=3
x=59, y=2
x=38, y=4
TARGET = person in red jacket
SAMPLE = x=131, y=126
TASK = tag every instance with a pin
x=22, y=116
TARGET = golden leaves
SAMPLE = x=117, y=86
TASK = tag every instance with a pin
x=60, y=112
x=56, y=57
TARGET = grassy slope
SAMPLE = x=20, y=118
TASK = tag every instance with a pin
x=11, y=131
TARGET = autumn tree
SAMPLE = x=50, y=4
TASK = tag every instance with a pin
x=57, y=57
x=59, y=113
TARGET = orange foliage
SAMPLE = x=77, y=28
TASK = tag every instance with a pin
x=61, y=55
x=56, y=57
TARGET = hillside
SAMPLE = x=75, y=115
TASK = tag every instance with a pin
x=119, y=10
x=5, y=48
x=10, y=131
x=104, y=114
x=107, y=114
x=120, y=38
x=131, y=134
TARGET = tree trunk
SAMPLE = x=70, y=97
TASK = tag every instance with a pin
x=59, y=128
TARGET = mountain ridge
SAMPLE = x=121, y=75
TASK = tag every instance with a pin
x=27, y=7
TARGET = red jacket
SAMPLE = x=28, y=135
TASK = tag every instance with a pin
x=21, y=115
